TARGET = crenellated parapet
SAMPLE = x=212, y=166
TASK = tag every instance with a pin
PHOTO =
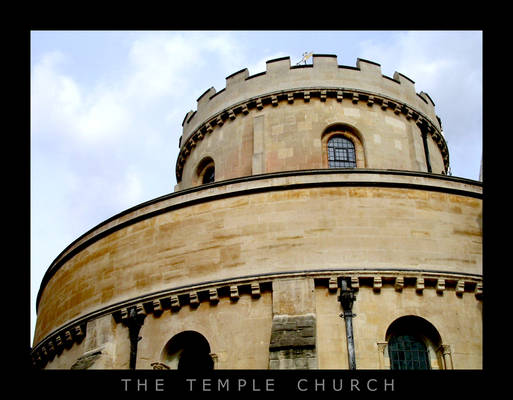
x=283, y=83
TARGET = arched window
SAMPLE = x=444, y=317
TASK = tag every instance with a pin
x=341, y=152
x=408, y=352
x=413, y=343
x=188, y=351
x=205, y=171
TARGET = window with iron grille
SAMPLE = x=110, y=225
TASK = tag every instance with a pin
x=407, y=352
x=341, y=153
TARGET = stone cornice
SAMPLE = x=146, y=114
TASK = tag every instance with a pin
x=172, y=300
x=288, y=96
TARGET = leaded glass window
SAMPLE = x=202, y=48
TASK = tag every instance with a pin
x=407, y=352
x=341, y=153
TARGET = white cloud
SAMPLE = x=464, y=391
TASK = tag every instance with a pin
x=447, y=66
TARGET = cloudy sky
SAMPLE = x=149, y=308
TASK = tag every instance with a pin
x=107, y=108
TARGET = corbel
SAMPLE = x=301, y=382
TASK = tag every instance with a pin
x=440, y=286
x=219, y=121
x=332, y=284
x=479, y=290
x=231, y=115
x=323, y=95
x=274, y=100
x=384, y=105
x=356, y=98
x=245, y=110
x=194, y=299
x=419, y=287
x=460, y=287
x=213, y=296
x=68, y=339
x=209, y=128
x=409, y=114
x=79, y=332
x=306, y=96
x=234, y=293
x=377, y=283
x=370, y=101
x=157, y=307
x=290, y=98
x=59, y=345
x=175, y=303
x=355, y=282
x=399, y=283
x=340, y=95
x=259, y=104
x=397, y=108
x=255, y=290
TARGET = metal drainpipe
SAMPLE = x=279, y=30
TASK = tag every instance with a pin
x=134, y=323
x=346, y=299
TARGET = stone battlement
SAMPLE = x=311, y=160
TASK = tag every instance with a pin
x=324, y=73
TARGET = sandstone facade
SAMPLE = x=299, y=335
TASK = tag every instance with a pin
x=248, y=263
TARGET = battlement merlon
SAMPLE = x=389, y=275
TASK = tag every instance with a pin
x=325, y=72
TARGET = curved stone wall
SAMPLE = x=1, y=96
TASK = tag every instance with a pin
x=245, y=229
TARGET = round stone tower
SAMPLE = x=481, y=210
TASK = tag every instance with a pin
x=313, y=225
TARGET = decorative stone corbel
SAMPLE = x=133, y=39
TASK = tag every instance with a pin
x=255, y=290
x=460, y=287
x=332, y=284
x=234, y=293
x=440, y=286
x=213, y=296
x=194, y=299
x=355, y=283
x=419, y=287
x=377, y=283
x=399, y=283
x=175, y=303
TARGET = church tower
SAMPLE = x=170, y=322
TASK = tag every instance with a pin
x=313, y=225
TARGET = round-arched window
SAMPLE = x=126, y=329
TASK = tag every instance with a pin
x=205, y=171
x=341, y=152
x=408, y=352
x=413, y=343
x=189, y=351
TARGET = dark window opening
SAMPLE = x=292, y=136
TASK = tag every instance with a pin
x=341, y=153
x=188, y=351
x=209, y=175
